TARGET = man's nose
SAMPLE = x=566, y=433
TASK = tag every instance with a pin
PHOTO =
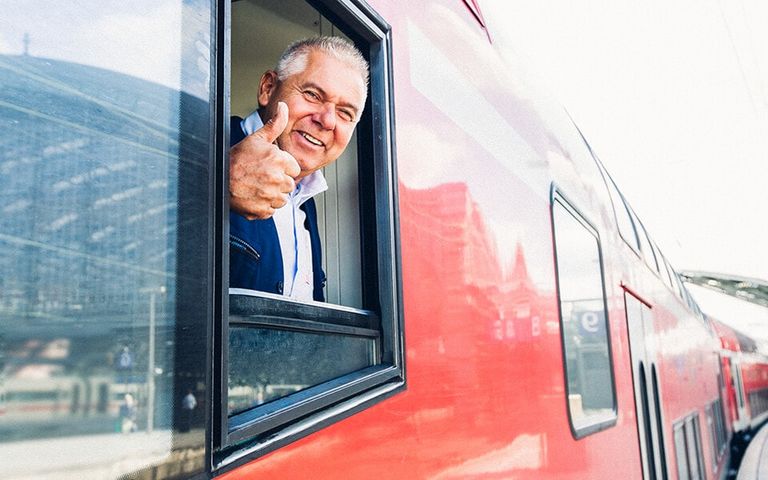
x=326, y=116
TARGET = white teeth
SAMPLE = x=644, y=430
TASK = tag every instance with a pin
x=312, y=139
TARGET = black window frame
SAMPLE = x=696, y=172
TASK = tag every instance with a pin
x=558, y=197
x=244, y=436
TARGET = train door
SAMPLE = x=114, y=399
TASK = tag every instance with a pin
x=738, y=386
x=647, y=398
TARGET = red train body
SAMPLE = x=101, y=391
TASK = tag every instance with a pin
x=486, y=393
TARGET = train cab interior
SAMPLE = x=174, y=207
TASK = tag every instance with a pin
x=261, y=30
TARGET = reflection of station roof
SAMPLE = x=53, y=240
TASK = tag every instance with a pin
x=89, y=192
x=748, y=289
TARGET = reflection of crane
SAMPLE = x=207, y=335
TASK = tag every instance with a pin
x=748, y=289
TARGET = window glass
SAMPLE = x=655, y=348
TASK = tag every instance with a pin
x=273, y=363
x=666, y=273
x=623, y=220
x=584, y=322
x=691, y=443
x=680, y=289
x=673, y=279
x=105, y=124
x=681, y=453
x=645, y=244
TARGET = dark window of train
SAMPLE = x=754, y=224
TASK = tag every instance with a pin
x=300, y=364
x=584, y=321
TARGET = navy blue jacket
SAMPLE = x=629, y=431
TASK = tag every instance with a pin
x=255, y=259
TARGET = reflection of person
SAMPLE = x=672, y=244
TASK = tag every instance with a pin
x=128, y=414
x=311, y=103
x=188, y=404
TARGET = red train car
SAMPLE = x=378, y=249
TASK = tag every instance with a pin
x=495, y=307
x=745, y=379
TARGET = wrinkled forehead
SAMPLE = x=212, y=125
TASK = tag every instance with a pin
x=335, y=76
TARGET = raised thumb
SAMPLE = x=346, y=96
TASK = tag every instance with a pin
x=275, y=126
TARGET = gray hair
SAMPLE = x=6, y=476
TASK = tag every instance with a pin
x=294, y=58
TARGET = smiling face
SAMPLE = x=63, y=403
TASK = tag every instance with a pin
x=324, y=105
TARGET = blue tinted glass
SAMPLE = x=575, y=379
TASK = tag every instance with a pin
x=104, y=112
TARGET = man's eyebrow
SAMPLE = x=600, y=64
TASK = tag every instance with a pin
x=324, y=94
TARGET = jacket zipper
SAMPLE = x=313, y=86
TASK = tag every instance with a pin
x=241, y=244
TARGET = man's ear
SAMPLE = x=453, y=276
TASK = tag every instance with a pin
x=267, y=86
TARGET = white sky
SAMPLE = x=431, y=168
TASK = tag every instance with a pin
x=137, y=37
x=673, y=96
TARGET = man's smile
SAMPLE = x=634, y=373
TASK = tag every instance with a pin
x=311, y=139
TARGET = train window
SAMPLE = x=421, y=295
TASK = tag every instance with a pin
x=738, y=384
x=290, y=365
x=645, y=243
x=688, y=452
x=681, y=453
x=584, y=323
x=657, y=260
x=666, y=273
x=680, y=288
x=716, y=423
x=621, y=212
x=104, y=179
x=674, y=279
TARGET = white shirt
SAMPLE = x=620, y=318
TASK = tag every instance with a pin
x=289, y=219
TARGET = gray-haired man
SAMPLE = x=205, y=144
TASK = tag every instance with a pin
x=311, y=104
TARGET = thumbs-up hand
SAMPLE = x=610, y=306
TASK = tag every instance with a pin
x=260, y=174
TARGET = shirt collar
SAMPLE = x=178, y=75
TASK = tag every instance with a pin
x=310, y=185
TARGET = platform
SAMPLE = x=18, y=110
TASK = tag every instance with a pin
x=754, y=465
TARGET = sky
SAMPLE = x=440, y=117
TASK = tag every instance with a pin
x=673, y=97
x=139, y=38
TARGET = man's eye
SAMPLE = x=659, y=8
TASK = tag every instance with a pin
x=311, y=95
x=346, y=115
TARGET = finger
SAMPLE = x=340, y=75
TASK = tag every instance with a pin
x=292, y=168
x=288, y=185
x=275, y=126
x=279, y=202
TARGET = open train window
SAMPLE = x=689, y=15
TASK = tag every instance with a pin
x=584, y=328
x=289, y=367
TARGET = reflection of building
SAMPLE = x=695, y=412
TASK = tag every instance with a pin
x=528, y=310
x=89, y=200
x=87, y=192
x=489, y=348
